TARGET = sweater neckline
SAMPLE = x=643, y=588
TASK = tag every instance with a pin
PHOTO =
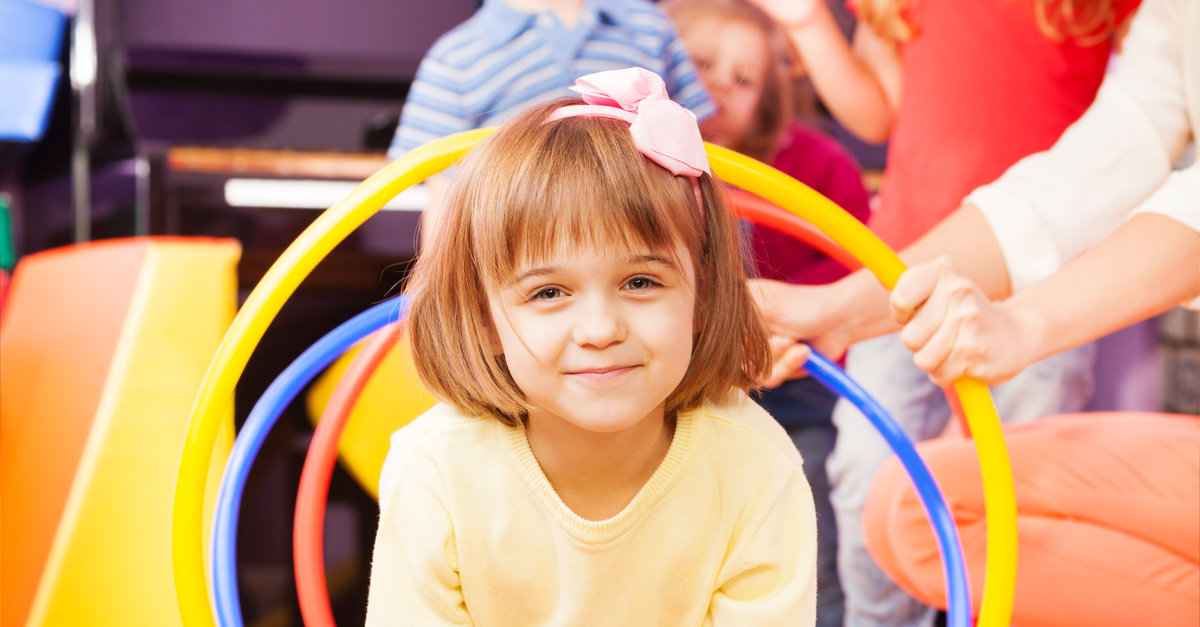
x=596, y=531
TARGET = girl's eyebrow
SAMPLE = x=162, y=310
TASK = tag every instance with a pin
x=538, y=271
x=639, y=259
x=632, y=261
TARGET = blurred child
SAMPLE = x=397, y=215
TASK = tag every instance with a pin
x=750, y=69
x=512, y=54
x=961, y=91
x=586, y=321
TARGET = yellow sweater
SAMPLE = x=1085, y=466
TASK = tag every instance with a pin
x=472, y=533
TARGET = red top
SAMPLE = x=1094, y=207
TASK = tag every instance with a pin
x=983, y=87
x=823, y=164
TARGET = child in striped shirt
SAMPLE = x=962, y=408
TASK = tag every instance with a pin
x=515, y=53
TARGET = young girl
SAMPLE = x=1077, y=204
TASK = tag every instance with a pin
x=586, y=321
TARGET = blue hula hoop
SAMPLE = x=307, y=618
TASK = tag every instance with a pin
x=249, y=441
x=958, y=595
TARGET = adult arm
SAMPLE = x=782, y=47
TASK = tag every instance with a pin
x=858, y=81
x=1150, y=264
x=834, y=316
x=414, y=569
x=1051, y=206
x=1048, y=207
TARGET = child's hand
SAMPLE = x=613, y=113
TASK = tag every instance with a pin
x=788, y=359
x=791, y=13
x=953, y=329
x=792, y=313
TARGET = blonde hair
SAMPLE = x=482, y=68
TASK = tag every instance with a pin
x=1087, y=22
x=522, y=191
x=776, y=109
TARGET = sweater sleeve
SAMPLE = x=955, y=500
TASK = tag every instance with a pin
x=1053, y=205
x=414, y=569
x=770, y=576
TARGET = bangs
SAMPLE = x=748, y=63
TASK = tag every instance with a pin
x=582, y=184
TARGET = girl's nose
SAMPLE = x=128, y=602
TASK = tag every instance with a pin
x=717, y=84
x=599, y=325
x=720, y=78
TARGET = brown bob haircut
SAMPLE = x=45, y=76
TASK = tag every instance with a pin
x=525, y=189
x=776, y=109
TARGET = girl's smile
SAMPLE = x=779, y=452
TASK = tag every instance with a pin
x=602, y=373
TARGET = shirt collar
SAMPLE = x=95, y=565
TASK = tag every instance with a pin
x=504, y=23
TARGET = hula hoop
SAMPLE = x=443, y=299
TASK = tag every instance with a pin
x=751, y=207
x=954, y=568
x=332, y=226
x=311, y=498
x=308, y=534
x=249, y=441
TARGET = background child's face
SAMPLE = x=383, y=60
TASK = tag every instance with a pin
x=733, y=58
x=596, y=338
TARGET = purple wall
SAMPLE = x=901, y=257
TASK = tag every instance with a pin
x=342, y=33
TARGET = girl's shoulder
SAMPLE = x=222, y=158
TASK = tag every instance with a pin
x=440, y=427
x=442, y=442
x=747, y=458
x=741, y=428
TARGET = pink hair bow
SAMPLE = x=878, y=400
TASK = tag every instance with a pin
x=662, y=130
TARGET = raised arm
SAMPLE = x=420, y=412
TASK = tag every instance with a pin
x=860, y=82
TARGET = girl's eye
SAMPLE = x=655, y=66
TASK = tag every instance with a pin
x=546, y=293
x=641, y=283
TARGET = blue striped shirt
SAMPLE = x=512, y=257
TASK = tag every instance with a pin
x=501, y=61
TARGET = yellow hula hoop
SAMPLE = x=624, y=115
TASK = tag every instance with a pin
x=332, y=226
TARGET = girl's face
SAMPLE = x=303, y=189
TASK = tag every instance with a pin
x=733, y=57
x=598, y=339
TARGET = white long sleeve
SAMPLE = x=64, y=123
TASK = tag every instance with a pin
x=1115, y=160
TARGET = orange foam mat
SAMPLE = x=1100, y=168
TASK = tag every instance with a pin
x=102, y=351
